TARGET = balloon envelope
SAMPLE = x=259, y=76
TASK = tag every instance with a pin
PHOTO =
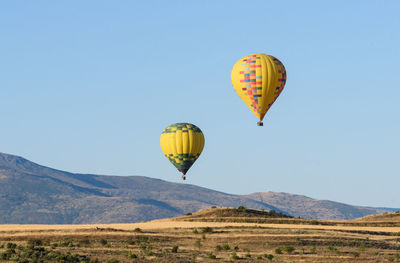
x=182, y=144
x=258, y=79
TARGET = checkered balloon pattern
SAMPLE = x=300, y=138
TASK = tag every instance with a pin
x=258, y=79
x=182, y=144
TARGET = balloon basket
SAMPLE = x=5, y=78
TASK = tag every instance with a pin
x=260, y=123
x=183, y=177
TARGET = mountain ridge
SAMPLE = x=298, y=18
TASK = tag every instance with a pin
x=34, y=194
x=307, y=207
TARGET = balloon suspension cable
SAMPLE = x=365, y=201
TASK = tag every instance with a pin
x=260, y=123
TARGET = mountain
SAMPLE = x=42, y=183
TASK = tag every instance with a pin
x=306, y=207
x=34, y=194
x=31, y=193
x=388, y=209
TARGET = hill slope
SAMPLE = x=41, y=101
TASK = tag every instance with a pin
x=306, y=207
x=392, y=218
x=31, y=193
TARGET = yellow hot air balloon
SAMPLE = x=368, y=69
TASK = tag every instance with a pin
x=258, y=79
x=182, y=144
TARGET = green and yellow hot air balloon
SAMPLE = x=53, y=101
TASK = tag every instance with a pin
x=182, y=144
x=258, y=79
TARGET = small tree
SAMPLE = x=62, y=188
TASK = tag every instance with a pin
x=226, y=247
x=132, y=255
x=207, y=230
x=289, y=249
x=234, y=255
x=242, y=209
x=175, y=249
x=211, y=255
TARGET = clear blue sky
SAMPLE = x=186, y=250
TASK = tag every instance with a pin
x=88, y=86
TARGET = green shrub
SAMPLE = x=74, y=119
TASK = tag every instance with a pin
x=236, y=248
x=174, y=249
x=278, y=251
x=234, y=255
x=5, y=256
x=131, y=242
x=211, y=255
x=242, y=209
x=64, y=243
x=331, y=248
x=138, y=230
x=272, y=212
x=188, y=214
x=113, y=261
x=35, y=242
x=207, y=230
x=226, y=247
x=213, y=206
x=288, y=249
x=103, y=241
x=313, y=250
x=269, y=256
x=147, y=249
x=218, y=248
x=195, y=231
x=11, y=245
x=31, y=254
x=132, y=255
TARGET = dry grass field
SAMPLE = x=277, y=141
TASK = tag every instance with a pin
x=212, y=235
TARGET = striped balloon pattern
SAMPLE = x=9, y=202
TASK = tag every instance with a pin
x=182, y=144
